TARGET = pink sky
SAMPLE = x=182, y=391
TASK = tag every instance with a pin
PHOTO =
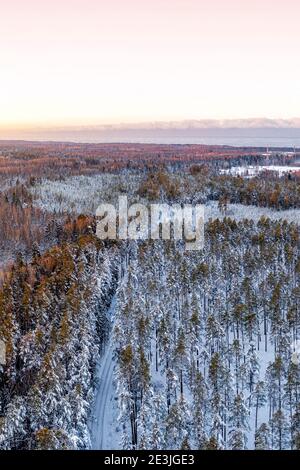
x=88, y=62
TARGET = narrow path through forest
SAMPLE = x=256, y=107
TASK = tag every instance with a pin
x=104, y=433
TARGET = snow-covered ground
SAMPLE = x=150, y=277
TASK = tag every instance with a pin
x=251, y=170
x=83, y=194
x=240, y=211
x=103, y=423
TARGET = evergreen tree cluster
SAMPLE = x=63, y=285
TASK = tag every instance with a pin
x=54, y=327
x=204, y=340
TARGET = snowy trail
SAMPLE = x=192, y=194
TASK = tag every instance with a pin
x=102, y=410
x=103, y=431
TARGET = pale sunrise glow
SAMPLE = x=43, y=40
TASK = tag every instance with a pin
x=96, y=61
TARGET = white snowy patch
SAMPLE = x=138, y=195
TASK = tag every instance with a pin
x=240, y=212
x=251, y=170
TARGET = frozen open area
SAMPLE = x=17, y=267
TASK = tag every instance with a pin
x=251, y=171
x=240, y=212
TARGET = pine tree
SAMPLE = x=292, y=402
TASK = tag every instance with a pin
x=238, y=421
x=262, y=437
x=200, y=410
x=295, y=429
x=259, y=397
x=280, y=431
x=177, y=424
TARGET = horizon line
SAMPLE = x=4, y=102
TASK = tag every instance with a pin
x=203, y=123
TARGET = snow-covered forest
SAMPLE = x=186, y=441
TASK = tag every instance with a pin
x=53, y=323
x=143, y=345
x=205, y=341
